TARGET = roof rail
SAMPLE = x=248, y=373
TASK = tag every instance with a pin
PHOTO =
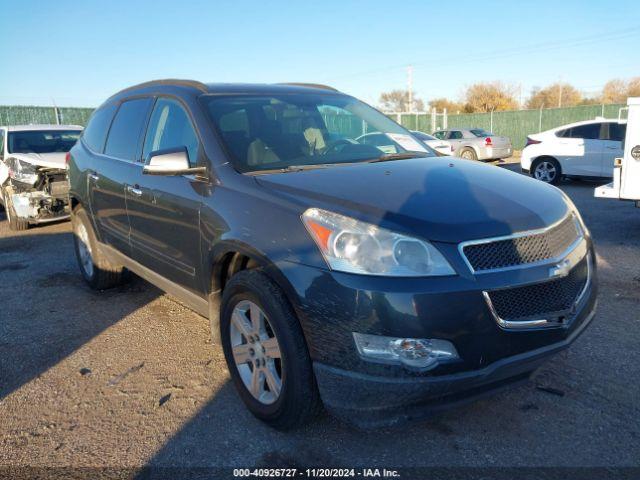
x=170, y=81
x=310, y=85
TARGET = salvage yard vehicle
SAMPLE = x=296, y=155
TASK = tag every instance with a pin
x=33, y=173
x=476, y=143
x=626, y=170
x=582, y=150
x=382, y=286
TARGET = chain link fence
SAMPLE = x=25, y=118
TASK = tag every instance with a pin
x=513, y=124
x=517, y=124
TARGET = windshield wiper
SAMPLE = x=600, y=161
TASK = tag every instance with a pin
x=290, y=168
x=398, y=156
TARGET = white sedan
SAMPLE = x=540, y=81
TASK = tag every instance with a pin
x=582, y=149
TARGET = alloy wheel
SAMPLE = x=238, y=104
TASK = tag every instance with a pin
x=84, y=249
x=546, y=172
x=256, y=352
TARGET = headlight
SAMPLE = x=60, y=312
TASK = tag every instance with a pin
x=349, y=245
x=22, y=171
x=576, y=213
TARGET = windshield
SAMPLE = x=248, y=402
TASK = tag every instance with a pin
x=42, y=141
x=423, y=136
x=270, y=132
x=480, y=132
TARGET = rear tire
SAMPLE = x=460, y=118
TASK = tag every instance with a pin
x=468, y=154
x=96, y=270
x=295, y=400
x=15, y=223
x=547, y=169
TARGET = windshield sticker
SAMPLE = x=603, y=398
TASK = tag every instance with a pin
x=407, y=142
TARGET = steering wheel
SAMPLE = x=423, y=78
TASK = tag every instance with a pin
x=333, y=146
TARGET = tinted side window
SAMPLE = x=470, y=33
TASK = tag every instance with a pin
x=126, y=129
x=439, y=135
x=588, y=132
x=617, y=131
x=96, y=132
x=455, y=135
x=1, y=144
x=170, y=127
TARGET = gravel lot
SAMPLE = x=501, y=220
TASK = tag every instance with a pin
x=128, y=378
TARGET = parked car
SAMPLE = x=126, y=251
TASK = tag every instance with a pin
x=388, y=143
x=476, y=143
x=383, y=286
x=581, y=149
x=441, y=146
x=33, y=173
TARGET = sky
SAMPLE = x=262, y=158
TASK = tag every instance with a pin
x=77, y=53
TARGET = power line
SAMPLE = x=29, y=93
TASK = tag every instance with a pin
x=503, y=53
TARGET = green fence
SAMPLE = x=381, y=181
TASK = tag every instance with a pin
x=26, y=114
x=513, y=124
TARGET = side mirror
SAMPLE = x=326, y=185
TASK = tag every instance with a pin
x=170, y=162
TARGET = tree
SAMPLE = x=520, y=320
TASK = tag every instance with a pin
x=555, y=95
x=633, y=88
x=614, y=91
x=617, y=90
x=398, y=101
x=485, y=97
x=442, y=103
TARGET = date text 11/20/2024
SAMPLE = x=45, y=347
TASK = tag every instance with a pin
x=316, y=473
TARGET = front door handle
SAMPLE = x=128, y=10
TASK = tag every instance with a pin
x=612, y=148
x=94, y=177
x=134, y=191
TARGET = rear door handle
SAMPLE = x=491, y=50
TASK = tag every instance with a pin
x=612, y=148
x=134, y=191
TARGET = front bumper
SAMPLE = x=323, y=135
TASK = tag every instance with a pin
x=332, y=305
x=370, y=401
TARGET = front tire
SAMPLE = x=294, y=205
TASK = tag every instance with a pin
x=266, y=352
x=96, y=270
x=547, y=169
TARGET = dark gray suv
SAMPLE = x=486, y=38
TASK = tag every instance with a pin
x=381, y=285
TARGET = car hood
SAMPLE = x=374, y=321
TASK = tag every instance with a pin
x=51, y=160
x=441, y=199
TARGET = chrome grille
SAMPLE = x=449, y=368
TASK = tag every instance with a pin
x=522, y=249
x=552, y=301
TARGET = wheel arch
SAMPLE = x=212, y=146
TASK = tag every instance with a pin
x=540, y=158
x=229, y=257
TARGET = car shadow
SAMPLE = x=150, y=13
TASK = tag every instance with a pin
x=48, y=311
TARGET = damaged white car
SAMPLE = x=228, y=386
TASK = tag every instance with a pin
x=33, y=173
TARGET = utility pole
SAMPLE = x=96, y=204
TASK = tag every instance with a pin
x=520, y=95
x=410, y=86
x=560, y=93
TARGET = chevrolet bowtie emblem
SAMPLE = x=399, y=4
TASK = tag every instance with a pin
x=561, y=269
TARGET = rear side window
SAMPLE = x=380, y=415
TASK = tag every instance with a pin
x=127, y=128
x=1, y=144
x=96, y=132
x=170, y=127
x=479, y=132
x=617, y=131
x=455, y=135
x=587, y=132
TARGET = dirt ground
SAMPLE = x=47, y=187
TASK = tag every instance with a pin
x=128, y=378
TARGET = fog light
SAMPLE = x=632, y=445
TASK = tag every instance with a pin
x=418, y=353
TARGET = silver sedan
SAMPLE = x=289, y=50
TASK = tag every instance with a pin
x=476, y=143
